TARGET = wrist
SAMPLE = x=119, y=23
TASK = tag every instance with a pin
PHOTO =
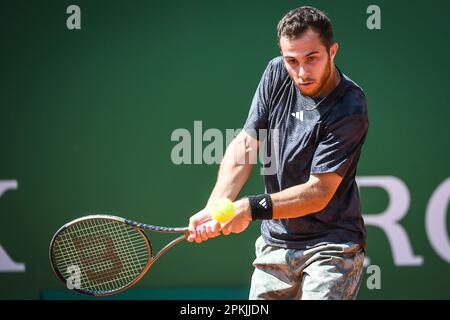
x=261, y=207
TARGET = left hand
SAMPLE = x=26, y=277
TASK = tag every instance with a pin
x=241, y=220
x=202, y=227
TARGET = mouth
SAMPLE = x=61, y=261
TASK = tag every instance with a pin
x=305, y=84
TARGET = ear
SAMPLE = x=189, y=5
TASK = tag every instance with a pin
x=333, y=50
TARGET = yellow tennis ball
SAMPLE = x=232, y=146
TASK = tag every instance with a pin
x=222, y=210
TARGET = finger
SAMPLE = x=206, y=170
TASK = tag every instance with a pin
x=192, y=236
x=216, y=230
x=203, y=233
x=198, y=234
x=210, y=232
x=213, y=229
x=226, y=230
x=198, y=238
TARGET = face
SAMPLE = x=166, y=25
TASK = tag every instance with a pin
x=308, y=62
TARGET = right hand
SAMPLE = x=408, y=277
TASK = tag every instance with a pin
x=202, y=227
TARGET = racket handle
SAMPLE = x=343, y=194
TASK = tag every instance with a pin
x=157, y=228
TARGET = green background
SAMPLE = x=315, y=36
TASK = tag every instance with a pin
x=86, y=118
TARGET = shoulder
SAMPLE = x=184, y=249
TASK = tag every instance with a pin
x=353, y=102
x=276, y=74
x=349, y=114
x=276, y=62
x=276, y=67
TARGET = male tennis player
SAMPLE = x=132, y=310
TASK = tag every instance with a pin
x=313, y=234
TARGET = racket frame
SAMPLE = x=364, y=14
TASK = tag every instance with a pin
x=139, y=227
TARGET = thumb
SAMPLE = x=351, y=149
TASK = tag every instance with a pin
x=192, y=229
x=191, y=226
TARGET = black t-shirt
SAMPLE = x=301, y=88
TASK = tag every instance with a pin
x=306, y=137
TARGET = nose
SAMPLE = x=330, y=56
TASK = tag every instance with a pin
x=302, y=73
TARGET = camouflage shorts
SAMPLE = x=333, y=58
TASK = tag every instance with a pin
x=326, y=271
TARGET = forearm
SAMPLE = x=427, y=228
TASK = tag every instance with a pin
x=230, y=181
x=299, y=200
x=235, y=168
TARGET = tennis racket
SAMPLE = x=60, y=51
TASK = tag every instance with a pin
x=102, y=254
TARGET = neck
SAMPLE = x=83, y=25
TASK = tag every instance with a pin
x=331, y=84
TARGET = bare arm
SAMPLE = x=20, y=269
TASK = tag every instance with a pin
x=236, y=167
x=234, y=171
x=293, y=202
x=307, y=198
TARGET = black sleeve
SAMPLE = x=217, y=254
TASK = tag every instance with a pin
x=259, y=110
x=341, y=144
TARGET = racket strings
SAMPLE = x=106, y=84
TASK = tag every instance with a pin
x=103, y=274
x=98, y=251
x=108, y=253
x=132, y=255
x=98, y=254
x=128, y=257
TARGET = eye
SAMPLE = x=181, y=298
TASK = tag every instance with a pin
x=311, y=59
x=292, y=61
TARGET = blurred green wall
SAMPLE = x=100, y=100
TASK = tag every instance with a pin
x=86, y=118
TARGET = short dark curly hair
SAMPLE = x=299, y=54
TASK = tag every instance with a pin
x=299, y=20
